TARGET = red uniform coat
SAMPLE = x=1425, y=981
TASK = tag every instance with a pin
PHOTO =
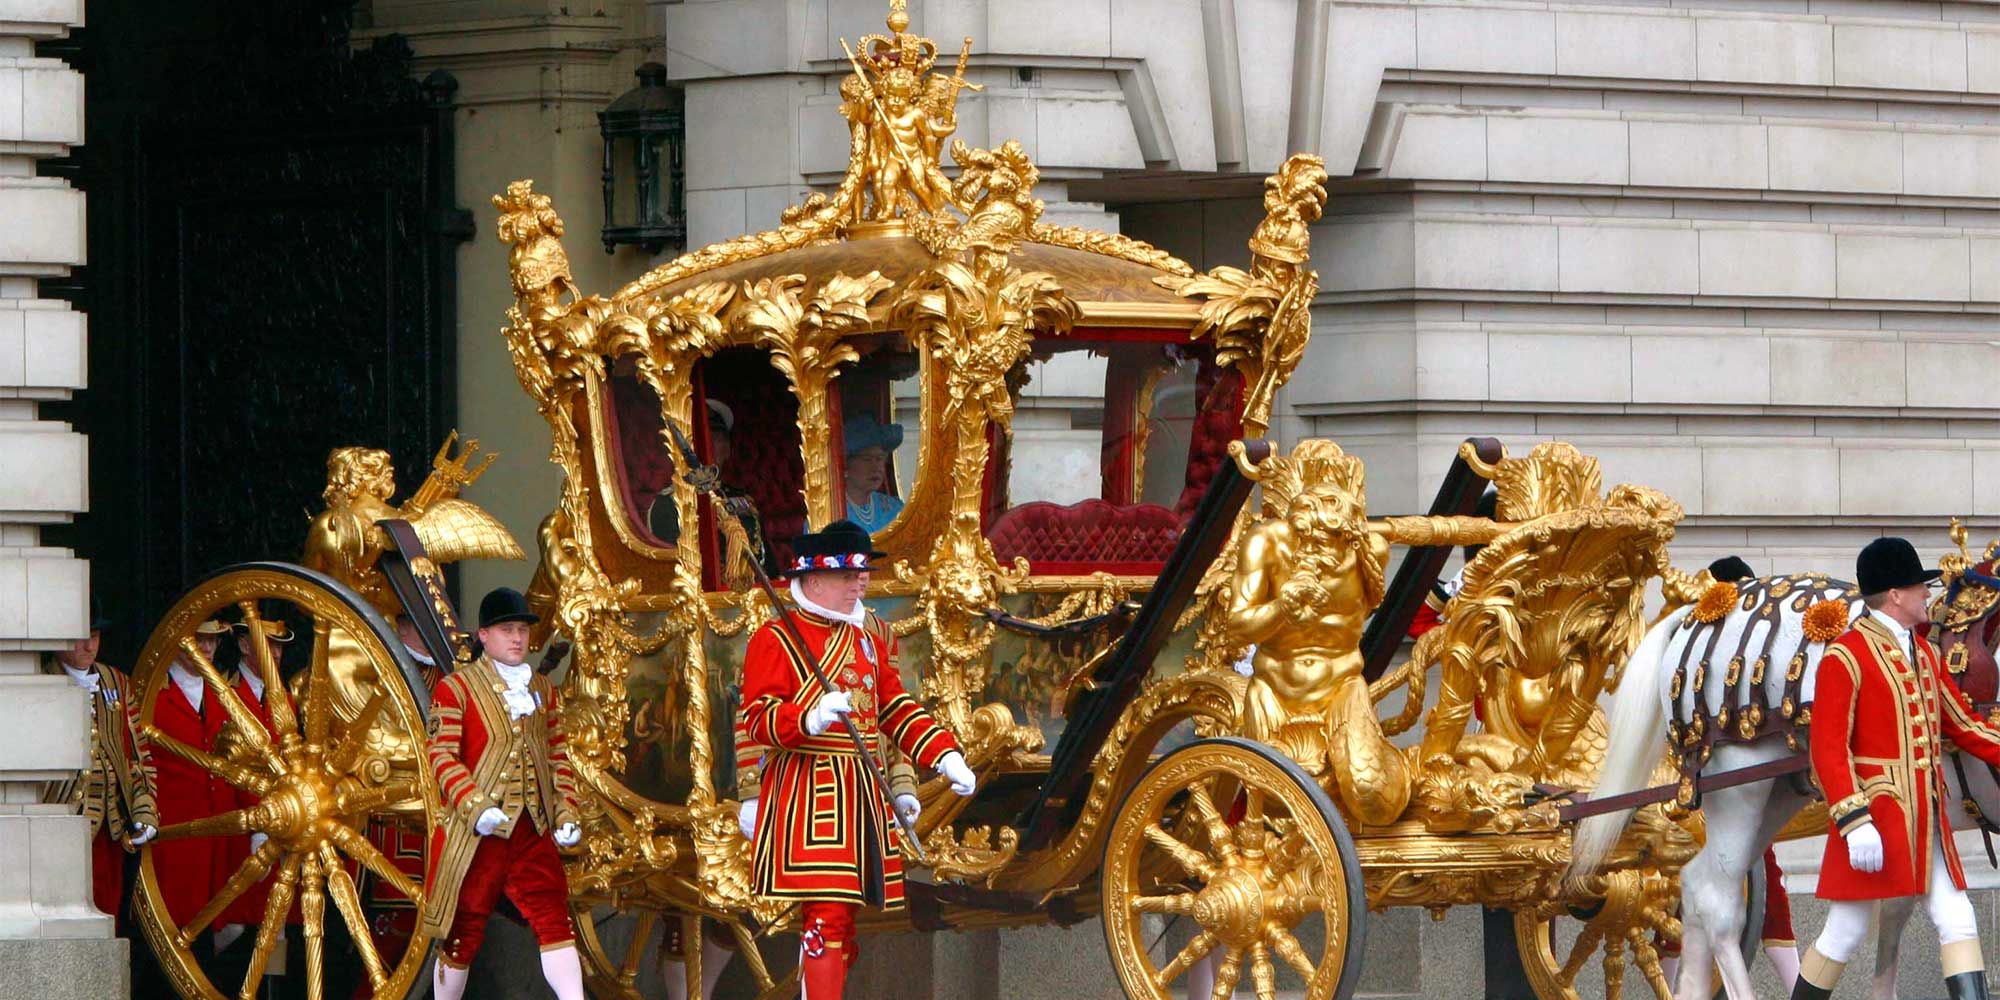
x=480, y=755
x=190, y=871
x=1877, y=723
x=824, y=831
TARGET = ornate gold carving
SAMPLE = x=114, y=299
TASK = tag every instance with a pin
x=805, y=341
x=975, y=855
x=1261, y=319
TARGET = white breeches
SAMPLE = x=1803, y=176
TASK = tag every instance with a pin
x=1949, y=907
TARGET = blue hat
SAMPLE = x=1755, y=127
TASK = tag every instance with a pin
x=864, y=431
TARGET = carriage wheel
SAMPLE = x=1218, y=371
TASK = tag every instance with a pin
x=616, y=944
x=1230, y=835
x=1637, y=904
x=331, y=770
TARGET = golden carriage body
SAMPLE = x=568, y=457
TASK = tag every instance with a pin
x=1076, y=576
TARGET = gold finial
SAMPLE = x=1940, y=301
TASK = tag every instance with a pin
x=899, y=15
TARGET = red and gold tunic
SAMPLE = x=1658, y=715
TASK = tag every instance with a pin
x=824, y=831
x=484, y=758
x=1877, y=726
x=193, y=869
x=116, y=791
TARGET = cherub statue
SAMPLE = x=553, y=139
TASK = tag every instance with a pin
x=1307, y=577
x=344, y=541
x=900, y=114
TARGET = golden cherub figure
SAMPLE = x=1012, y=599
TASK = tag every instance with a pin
x=344, y=542
x=900, y=114
x=1307, y=577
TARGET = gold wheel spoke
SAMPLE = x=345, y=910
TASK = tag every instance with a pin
x=1202, y=944
x=635, y=952
x=284, y=717
x=1614, y=970
x=1648, y=959
x=247, y=726
x=355, y=742
x=231, y=823
x=238, y=776
x=347, y=899
x=1251, y=833
x=253, y=868
x=1262, y=975
x=1288, y=948
x=357, y=847
x=1226, y=975
x=746, y=946
x=1579, y=953
x=367, y=800
x=319, y=691
x=312, y=907
x=1178, y=903
x=275, y=909
x=1187, y=857
x=1219, y=838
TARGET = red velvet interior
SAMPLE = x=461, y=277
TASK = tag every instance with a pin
x=764, y=458
x=1059, y=538
x=1218, y=422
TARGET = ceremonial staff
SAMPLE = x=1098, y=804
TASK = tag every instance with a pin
x=707, y=480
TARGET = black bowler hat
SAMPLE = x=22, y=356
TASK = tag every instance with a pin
x=1888, y=563
x=1730, y=568
x=505, y=604
x=840, y=545
x=99, y=621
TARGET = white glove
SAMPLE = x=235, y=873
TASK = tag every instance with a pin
x=831, y=707
x=1864, y=848
x=568, y=834
x=142, y=832
x=909, y=808
x=746, y=818
x=953, y=767
x=226, y=935
x=257, y=841
x=489, y=821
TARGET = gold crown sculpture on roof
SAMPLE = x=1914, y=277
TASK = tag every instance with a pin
x=899, y=49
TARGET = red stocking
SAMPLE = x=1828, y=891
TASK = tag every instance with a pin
x=826, y=949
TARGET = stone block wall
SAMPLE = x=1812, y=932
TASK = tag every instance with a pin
x=53, y=941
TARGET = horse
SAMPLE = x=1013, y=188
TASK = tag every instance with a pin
x=1728, y=683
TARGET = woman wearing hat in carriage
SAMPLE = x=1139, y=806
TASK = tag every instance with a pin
x=497, y=746
x=116, y=791
x=868, y=445
x=827, y=839
x=1882, y=713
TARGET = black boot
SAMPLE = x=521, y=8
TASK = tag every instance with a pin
x=1804, y=990
x=1966, y=986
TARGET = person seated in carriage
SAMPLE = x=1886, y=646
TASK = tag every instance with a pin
x=1882, y=709
x=869, y=445
x=827, y=838
x=665, y=519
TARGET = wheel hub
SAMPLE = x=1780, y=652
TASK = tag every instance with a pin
x=1232, y=907
x=302, y=802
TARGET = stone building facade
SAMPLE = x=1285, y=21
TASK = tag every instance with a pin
x=53, y=942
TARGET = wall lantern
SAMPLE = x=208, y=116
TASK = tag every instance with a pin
x=645, y=180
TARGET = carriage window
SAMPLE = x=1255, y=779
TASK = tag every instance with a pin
x=749, y=431
x=877, y=438
x=1113, y=444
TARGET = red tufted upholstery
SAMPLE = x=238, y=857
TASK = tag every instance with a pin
x=644, y=466
x=1219, y=421
x=1087, y=536
x=764, y=452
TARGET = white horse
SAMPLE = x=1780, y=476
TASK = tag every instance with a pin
x=1764, y=626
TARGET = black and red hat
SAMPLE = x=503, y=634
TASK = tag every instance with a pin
x=840, y=545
